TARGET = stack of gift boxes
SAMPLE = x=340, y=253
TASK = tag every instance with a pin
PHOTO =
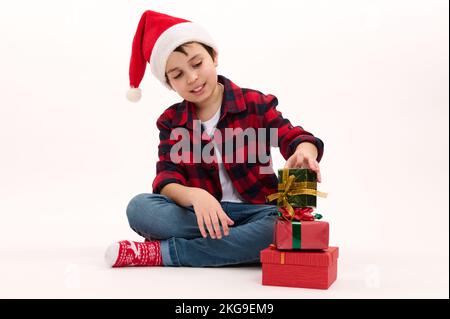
x=300, y=255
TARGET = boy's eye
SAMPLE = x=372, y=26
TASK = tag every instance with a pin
x=195, y=66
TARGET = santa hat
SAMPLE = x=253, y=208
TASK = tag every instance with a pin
x=156, y=37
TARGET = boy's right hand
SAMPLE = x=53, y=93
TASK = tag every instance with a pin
x=209, y=212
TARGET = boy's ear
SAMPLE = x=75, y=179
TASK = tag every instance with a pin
x=216, y=58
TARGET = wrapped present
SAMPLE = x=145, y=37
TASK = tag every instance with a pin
x=301, y=234
x=300, y=230
x=297, y=188
x=303, y=269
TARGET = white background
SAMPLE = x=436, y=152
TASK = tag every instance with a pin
x=368, y=77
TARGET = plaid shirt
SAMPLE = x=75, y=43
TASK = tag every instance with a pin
x=241, y=108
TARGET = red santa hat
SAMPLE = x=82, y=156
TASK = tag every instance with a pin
x=156, y=37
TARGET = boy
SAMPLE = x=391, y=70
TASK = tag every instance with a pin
x=211, y=212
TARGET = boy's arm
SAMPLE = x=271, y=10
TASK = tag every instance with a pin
x=182, y=195
x=305, y=156
x=289, y=137
x=167, y=172
x=171, y=178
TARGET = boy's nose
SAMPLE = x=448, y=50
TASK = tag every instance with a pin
x=192, y=77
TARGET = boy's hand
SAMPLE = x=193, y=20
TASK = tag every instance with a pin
x=209, y=212
x=305, y=157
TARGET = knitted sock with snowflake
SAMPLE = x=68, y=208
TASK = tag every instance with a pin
x=130, y=253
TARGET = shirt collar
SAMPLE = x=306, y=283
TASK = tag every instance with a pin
x=233, y=102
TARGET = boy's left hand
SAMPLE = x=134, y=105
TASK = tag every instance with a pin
x=305, y=157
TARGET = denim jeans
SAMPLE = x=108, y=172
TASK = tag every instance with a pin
x=157, y=217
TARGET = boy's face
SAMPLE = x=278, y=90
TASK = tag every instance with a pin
x=188, y=73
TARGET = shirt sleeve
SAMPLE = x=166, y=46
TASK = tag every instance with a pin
x=166, y=170
x=289, y=137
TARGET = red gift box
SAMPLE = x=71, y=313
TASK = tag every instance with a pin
x=301, y=235
x=303, y=269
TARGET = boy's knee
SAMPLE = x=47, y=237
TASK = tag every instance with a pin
x=137, y=204
x=134, y=208
x=133, y=205
x=144, y=215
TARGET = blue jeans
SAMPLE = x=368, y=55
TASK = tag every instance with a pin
x=157, y=217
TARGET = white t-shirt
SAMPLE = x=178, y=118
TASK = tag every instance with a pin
x=229, y=193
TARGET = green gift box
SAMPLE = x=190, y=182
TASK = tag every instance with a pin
x=305, y=179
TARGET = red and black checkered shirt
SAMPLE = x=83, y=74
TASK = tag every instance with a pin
x=241, y=108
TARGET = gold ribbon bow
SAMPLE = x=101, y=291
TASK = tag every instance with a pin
x=289, y=188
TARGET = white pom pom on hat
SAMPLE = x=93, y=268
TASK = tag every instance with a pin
x=134, y=95
x=156, y=37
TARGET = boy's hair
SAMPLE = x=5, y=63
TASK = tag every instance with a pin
x=180, y=49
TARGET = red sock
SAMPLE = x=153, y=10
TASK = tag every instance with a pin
x=130, y=253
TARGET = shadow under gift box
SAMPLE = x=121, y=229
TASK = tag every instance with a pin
x=302, y=269
x=301, y=235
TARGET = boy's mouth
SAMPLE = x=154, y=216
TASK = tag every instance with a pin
x=198, y=89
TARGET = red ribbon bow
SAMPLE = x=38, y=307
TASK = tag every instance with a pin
x=300, y=213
